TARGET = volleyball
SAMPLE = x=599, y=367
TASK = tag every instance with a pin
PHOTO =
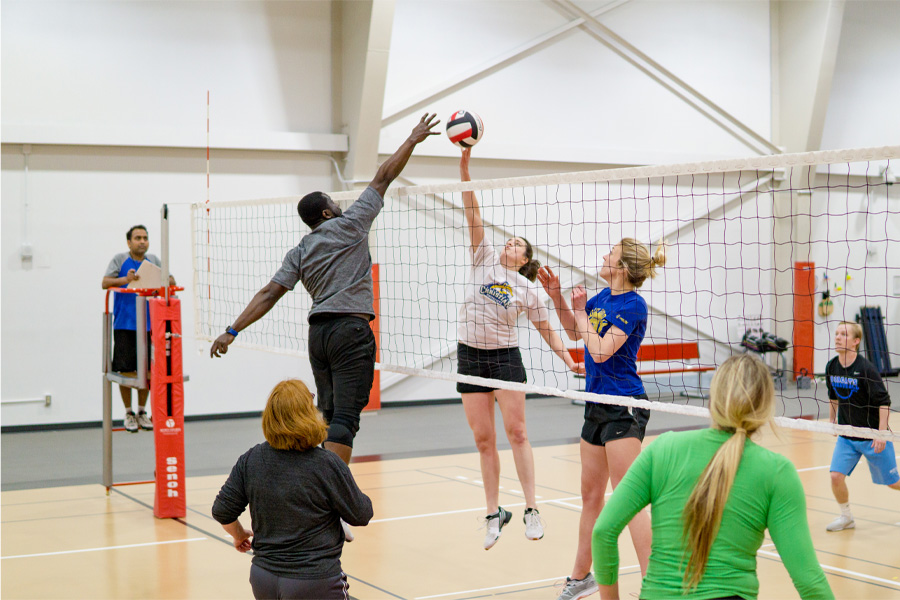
x=465, y=128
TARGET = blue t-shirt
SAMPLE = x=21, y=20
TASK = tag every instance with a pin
x=618, y=375
x=124, y=313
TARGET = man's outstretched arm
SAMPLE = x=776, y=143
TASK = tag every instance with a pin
x=393, y=166
x=261, y=303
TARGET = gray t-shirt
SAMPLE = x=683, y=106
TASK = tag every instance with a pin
x=333, y=260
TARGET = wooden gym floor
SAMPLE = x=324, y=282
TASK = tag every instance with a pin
x=424, y=542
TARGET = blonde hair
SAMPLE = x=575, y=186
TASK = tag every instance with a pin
x=855, y=330
x=638, y=263
x=290, y=420
x=742, y=399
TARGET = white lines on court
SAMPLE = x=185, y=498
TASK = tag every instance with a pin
x=829, y=568
x=561, y=501
x=509, y=585
x=104, y=548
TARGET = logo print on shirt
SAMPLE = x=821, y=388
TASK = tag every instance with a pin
x=499, y=293
x=619, y=317
x=598, y=319
x=848, y=385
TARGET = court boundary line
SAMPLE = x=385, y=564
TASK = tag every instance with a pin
x=499, y=587
x=104, y=548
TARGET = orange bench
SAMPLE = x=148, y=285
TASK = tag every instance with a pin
x=681, y=351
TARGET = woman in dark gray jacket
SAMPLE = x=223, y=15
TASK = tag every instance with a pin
x=298, y=493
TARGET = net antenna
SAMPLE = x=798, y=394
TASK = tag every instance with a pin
x=742, y=237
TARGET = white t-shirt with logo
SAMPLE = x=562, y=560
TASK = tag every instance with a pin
x=494, y=300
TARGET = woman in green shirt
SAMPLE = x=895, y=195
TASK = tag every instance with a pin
x=703, y=483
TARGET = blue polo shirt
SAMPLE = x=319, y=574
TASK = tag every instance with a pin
x=618, y=375
x=124, y=312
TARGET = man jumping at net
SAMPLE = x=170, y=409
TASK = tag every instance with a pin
x=334, y=264
x=859, y=398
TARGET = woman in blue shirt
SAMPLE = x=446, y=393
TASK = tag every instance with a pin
x=612, y=325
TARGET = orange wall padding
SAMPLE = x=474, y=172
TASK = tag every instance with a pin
x=804, y=315
x=375, y=393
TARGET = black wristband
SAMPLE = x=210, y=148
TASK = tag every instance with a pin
x=231, y=331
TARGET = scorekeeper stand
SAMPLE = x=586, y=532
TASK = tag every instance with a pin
x=165, y=382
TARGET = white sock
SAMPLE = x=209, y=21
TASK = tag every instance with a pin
x=845, y=510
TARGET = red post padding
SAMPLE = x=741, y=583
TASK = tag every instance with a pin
x=804, y=317
x=167, y=397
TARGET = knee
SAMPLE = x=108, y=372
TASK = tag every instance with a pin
x=342, y=427
x=485, y=442
x=517, y=435
x=592, y=495
x=837, y=479
x=895, y=486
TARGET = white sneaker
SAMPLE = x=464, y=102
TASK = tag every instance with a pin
x=534, y=525
x=841, y=523
x=578, y=588
x=130, y=422
x=495, y=524
x=143, y=420
x=348, y=533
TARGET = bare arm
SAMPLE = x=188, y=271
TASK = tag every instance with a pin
x=393, y=166
x=566, y=317
x=470, y=204
x=261, y=303
x=601, y=349
x=884, y=413
x=241, y=536
x=556, y=344
x=109, y=282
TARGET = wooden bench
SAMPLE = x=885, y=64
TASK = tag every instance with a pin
x=680, y=351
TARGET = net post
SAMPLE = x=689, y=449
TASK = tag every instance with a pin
x=107, y=403
x=164, y=245
x=140, y=309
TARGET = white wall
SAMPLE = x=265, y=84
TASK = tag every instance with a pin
x=127, y=70
x=576, y=100
x=122, y=88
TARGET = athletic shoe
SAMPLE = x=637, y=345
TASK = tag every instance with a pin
x=774, y=343
x=131, y=424
x=579, y=588
x=348, y=533
x=143, y=420
x=495, y=524
x=841, y=523
x=534, y=525
x=753, y=342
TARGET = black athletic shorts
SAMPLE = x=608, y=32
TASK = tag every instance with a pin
x=504, y=364
x=125, y=350
x=606, y=422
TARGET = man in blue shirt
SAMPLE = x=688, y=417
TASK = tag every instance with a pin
x=121, y=271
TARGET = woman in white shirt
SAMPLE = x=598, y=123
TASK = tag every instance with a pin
x=501, y=288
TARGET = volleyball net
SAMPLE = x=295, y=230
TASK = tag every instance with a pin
x=764, y=255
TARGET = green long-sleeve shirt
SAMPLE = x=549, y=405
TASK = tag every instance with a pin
x=766, y=494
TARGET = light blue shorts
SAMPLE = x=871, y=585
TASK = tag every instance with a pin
x=882, y=466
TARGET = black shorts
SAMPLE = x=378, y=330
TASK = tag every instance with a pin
x=605, y=423
x=125, y=350
x=504, y=364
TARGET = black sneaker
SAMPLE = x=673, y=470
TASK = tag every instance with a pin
x=495, y=524
x=753, y=342
x=774, y=343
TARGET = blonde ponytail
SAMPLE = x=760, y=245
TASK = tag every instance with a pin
x=637, y=261
x=742, y=398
